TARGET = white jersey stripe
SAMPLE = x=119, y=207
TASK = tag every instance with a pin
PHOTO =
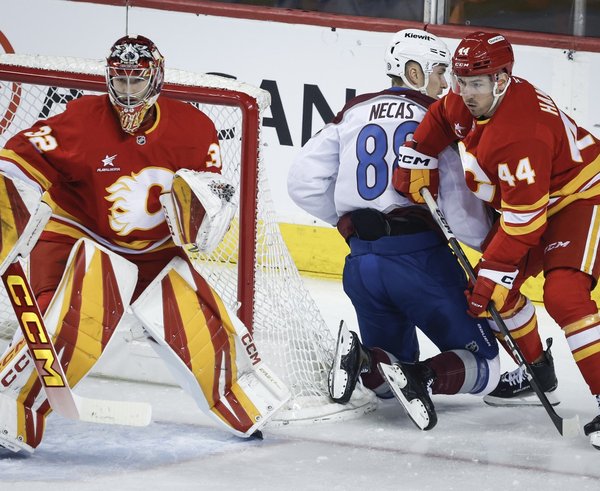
x=591, y=244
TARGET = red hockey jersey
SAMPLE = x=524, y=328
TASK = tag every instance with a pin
x=104, y=182
x=529, y=160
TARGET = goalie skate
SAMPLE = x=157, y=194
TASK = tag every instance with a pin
x=349, y=361
x=410, y=384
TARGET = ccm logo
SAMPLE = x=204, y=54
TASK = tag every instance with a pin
x=18, y=367
x=442, y=221
x=34, y=330
x=414, y=160
x=556, y=245
x=248, y=342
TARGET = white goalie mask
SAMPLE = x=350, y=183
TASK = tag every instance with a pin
x=419, y=46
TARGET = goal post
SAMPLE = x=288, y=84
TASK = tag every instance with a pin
x=251, y=269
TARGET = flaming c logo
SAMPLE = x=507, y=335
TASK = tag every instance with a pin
x=15, y=92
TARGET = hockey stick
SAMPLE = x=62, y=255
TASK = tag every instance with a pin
x=48, y=367
x=568, y=427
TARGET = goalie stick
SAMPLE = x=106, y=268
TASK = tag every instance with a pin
x=48, y=367
x=568, y=427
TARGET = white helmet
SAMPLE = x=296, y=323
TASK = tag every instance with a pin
x=419, y=46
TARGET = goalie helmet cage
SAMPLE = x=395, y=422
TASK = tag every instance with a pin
x=251, y=269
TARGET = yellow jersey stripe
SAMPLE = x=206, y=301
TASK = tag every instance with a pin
x=31, y=170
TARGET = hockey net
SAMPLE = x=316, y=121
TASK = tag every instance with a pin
x=251, y=270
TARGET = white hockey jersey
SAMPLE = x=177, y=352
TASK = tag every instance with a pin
x=348, y=165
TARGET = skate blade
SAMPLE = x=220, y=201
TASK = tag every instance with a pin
x=415, y=409
x=530, y=400
x=338, y=378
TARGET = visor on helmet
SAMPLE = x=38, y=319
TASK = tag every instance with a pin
x=467, y=86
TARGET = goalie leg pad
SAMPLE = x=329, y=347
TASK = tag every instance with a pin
x=89, y=303
x=23, y=219
x=81, y=319
x=209, y=351
x=22, y=413
x=17, y=421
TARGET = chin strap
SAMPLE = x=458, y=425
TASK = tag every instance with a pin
x=422, y=89
x=497, y=95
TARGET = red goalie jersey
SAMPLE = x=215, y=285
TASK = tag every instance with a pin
x=105, y=183
x=529, y=160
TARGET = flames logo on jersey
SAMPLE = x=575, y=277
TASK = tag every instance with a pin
x=130, y=197
x=459, y=130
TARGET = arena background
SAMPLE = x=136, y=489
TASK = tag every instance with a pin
x=310, y=62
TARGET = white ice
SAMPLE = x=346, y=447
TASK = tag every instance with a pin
x=473, y=445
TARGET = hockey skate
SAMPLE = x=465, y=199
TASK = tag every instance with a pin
x=593, y=430
x=351, y=359
x=514, y=388
x=411, y=384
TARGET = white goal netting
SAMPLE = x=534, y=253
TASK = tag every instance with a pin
x=252, y=269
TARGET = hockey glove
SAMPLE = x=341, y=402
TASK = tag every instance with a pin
x=415, y=170
x=199, y=209
x=494, y=282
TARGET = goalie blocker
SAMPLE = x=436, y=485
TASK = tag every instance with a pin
x=24, y=216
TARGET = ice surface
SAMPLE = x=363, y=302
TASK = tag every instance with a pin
x=473, y=446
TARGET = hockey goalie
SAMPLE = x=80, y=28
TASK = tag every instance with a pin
x=128, y=189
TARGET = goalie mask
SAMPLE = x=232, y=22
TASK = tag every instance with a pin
x=134, y=76
x=423, y=48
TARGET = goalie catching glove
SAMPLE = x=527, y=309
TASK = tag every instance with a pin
x=199, y=209
x=494, y=281
x=414, y=171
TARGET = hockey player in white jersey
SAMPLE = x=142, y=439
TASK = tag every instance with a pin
x=400, y=272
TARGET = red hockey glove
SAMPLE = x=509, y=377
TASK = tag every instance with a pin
x=415, y=170
x=494, y=281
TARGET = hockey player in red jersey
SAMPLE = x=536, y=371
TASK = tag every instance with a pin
x=115, y=168
x=104, y=162
x=541, y=171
